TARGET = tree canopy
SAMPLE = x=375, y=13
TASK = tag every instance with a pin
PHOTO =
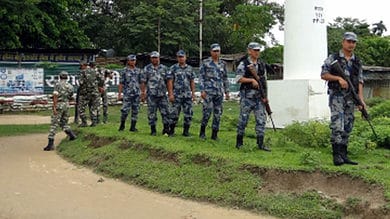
x=130, y=26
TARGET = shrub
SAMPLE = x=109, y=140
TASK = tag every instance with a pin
x=381, y=110
x=309, y=134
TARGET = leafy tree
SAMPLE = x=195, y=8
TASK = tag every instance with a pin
x=248, y=26
x=40, y=24
x=372, y=49
x=273, y=54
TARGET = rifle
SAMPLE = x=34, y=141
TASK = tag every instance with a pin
x=335, y=66
x=262, y=96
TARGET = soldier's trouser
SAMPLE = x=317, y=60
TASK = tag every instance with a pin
x=160, y=103
x=76, y=107
x=130, y=102
x=178, y=104
x=105, y=104
x=248, y=105
x=342, y=118
x=212, y=103
x=61, y=119
x=91, y=100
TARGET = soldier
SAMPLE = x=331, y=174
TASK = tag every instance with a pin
x=379, y=28
x=63, y=92
x=181, y=92
x=250, y=99
x=154, y=78
x=213, y=83
x=341, y=102
x=129, y=83
x=91, y=86
x=83, y=67
x=107, y=75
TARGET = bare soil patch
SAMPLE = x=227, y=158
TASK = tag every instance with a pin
x=368, y=198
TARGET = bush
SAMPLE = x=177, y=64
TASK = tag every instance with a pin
x=381, y=110
x=309, y=134
x=374, y=101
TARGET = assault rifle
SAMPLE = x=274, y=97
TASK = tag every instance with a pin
x=263, y=97
x=337, y=70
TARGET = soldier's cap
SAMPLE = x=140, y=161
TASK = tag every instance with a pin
x=154, y=54
x=350, y=36
x=63, y=74
x=254, y=45
x=131, y=57
x=215, y=47
x=181, y=53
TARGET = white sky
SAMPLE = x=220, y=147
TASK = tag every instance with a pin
x=371, y=11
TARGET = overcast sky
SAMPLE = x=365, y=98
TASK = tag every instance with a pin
x=371, y=11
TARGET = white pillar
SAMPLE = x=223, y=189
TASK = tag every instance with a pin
x=301, y=95
x=305, y=44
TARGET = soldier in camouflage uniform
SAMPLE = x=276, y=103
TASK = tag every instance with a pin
x=129, y=83
x=250, y=95
x=181, y=92
x=91, y=86
x=107, y=75
x=154, y=78
x=340, y=96
x=213, y=83
x=83, y=67
x=63, y=92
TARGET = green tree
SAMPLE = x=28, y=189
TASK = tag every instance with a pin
x=41, y=24
x=372, y=49
x=251, y=23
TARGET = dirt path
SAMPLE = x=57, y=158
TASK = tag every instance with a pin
x=38, y=184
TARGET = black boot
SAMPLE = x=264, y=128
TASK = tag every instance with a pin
x=71, y=135
x=50, y=145
x=172, y=130
x=214, y=134
x=132, y=127
x=344, y=155
x=83, y=123
x=165, y=129
x=337, y=158
x=122, y=125
x=239, y=141
x=153, y=130
x=105, y=119
x=94, y=123
x=202, y=133
x=186, y=129
x=260, y=144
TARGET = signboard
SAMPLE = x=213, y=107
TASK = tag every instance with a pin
x=21, y=81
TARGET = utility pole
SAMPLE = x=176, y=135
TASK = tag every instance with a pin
x=200, y=30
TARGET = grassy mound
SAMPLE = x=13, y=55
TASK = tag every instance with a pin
x=296, y=180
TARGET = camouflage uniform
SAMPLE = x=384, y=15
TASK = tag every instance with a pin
x=130, y=80
x=64, y=91
x=181, y=77
x=213, y=80
x=155, y=79
x=103, y=95
x=341, y=102
x=90, y=81
x=250, y=101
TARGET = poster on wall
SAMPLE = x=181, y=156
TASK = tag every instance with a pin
x=21, y=81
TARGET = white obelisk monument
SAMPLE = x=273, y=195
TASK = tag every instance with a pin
x=301, y=95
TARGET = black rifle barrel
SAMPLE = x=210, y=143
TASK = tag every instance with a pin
x=340, y=72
